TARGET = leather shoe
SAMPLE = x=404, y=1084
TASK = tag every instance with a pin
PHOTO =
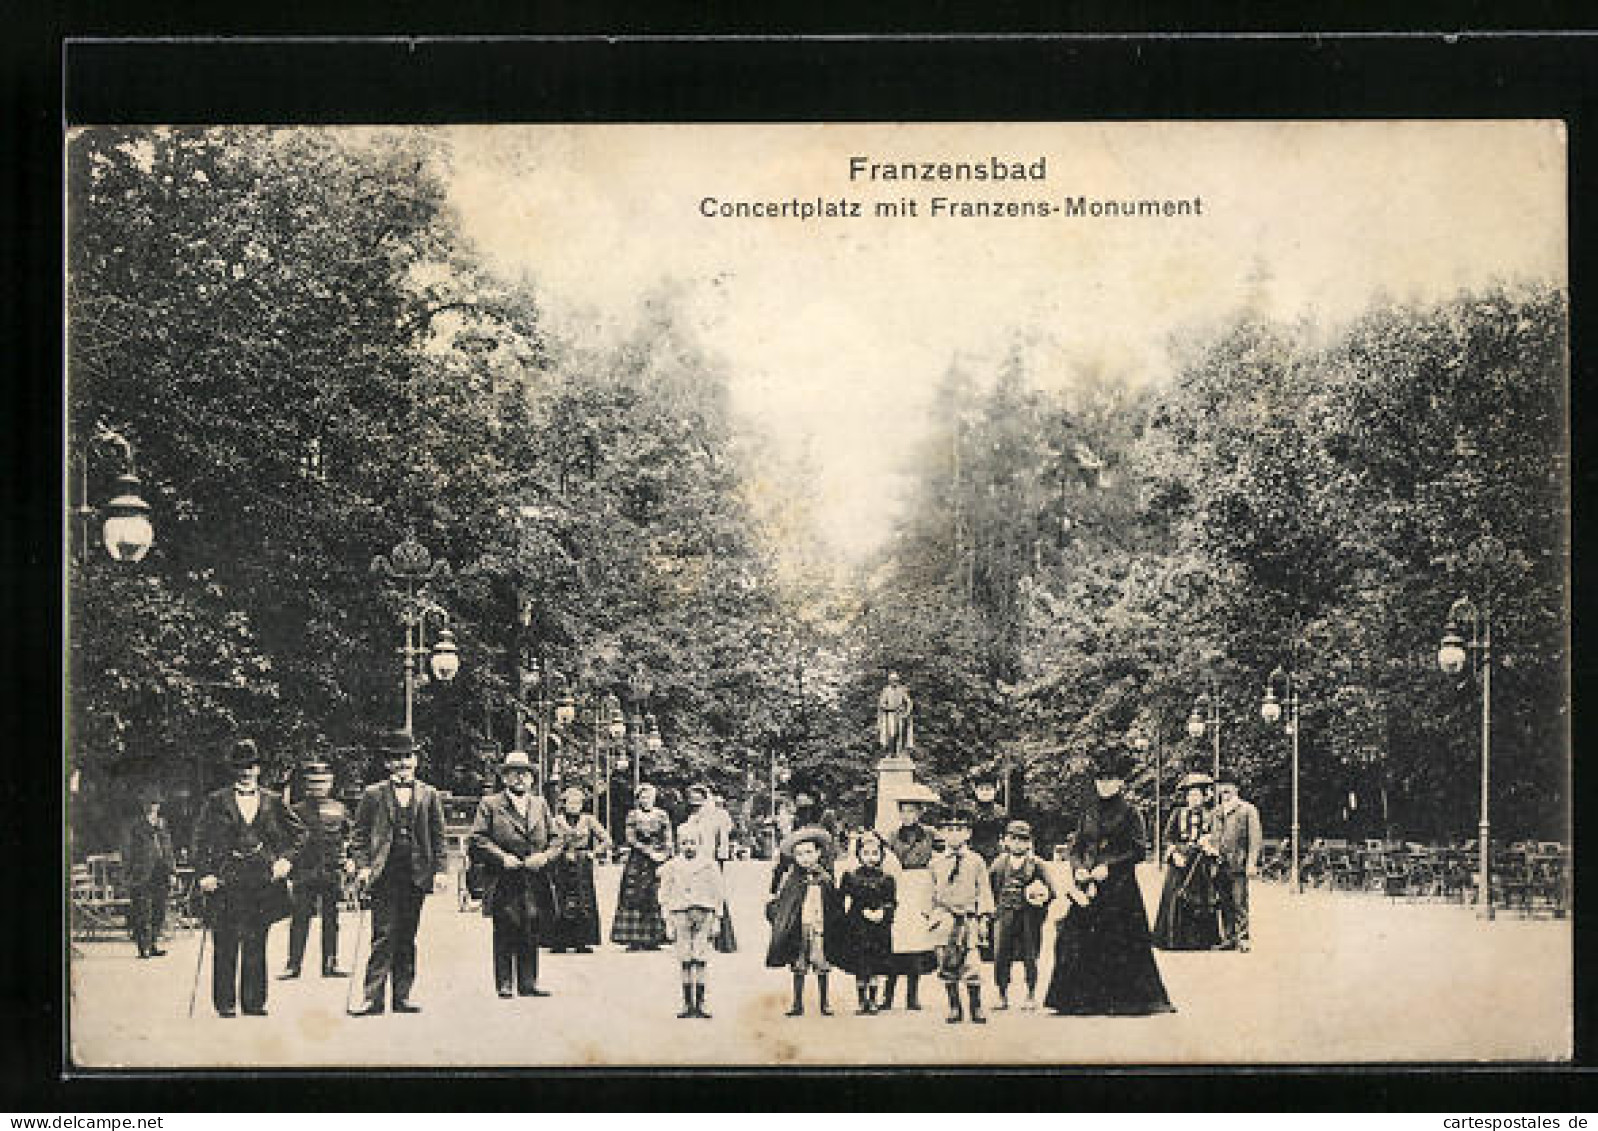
x=156, y=952
x=227, y=1013
x=534, y=992
x=255, y=1012
x=406, y=1007
x=334, y=972
x=370, y=1009
x=291, y=972
x=505, y=991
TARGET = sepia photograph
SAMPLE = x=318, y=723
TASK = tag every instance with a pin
x=847, y=595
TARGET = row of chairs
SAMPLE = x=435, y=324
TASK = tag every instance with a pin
x=1528, y=876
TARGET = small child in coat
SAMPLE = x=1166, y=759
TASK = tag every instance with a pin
x=1023, y=892
x=868, y=901
x=692, y=894
x=806, y=916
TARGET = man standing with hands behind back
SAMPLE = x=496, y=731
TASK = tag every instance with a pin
x=399, y=847
x=1238, y=835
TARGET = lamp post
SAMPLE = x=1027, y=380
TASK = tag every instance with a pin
x=1483, y=557
x=127, y=531
x=544, y=693
x=413, y=565
x=1206, y=717
x=1271, y=710
x=1140, y=743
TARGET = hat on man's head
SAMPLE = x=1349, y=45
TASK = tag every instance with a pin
x=813, y=833
x=315, y=769
x=1019, y=828
x=700, y=788
x=1197, y=779
x=395, y=744
x=244, y=753
x=516, y=760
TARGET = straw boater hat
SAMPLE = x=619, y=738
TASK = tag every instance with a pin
x=793, y=840
x=1197, y=778
x=1018, y=828
x=516, y=760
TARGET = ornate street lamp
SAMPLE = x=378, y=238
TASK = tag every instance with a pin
x=1483, y=558
x=1206, y=718
x=413, y=565
x=1271, y=710
x=127, y=531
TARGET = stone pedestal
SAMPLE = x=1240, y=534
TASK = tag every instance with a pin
x=895, y=774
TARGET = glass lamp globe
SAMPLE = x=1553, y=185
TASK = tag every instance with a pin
x=1271, y=709
x=1195, y=725
x=1451, y=653
x=127, y=531
x=618, y=729
x=566, y=712
x=446, y=657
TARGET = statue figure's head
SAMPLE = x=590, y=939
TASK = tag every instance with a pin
x=893, y=677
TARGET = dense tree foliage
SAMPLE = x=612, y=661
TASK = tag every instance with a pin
x=311, y=364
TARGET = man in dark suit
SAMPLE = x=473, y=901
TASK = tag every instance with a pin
x=514, y=837
x=244, y=842
x=399, y=847
x=147, y=865
x=319, y=869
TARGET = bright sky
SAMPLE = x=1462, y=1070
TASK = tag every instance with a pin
x=836, y=330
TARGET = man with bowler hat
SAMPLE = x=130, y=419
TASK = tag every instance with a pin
x=244, y=842
x=399, y=847
x=147, y=865
x=319, y=869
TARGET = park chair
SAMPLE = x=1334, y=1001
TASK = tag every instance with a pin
x=98, y=906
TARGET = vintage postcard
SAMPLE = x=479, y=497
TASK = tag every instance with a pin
x=820, y=595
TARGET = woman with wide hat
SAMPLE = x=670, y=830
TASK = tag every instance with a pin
x=580, y=836
x=639, y=924
x=1103, y=960
x=1188, y=918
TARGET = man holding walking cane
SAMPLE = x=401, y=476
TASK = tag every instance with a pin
x=399, y=848
x=243, y=843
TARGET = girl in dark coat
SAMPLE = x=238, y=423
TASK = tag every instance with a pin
x=1188, y=919
x=1103, y=961
x=806, y=917
x=580, y=836
x=868, y=901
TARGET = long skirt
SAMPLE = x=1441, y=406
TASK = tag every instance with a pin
x=726, y=942
x=1188, y=918
x=1103, y=961
x=912, y=936
x=638, y=920
x=576, y=919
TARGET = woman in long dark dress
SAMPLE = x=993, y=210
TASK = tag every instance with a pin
x=639, y=924
x=576, y=903
x=1188, y=918
x=1103, y=960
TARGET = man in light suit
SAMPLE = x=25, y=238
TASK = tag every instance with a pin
x=399, y=848
x=514, y=837
x=1238, y=835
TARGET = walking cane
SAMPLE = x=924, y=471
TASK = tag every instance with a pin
x=357, y=971
x=199, y=964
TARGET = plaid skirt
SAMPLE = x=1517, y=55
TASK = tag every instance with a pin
x=638, y=920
